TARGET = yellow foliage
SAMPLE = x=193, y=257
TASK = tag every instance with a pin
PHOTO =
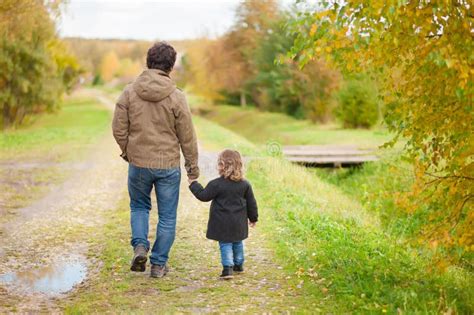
x=203, y=80
x=128, y=68
x=422, y=55
x=109, y=66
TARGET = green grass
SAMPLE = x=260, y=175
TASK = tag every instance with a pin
x=77, y=123
x=377, y=192
x=262, y=127
x=218, y=138
x=345, y=258
x=50, y=139
x=364, y=267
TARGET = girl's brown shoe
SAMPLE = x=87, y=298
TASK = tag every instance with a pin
x=227, y=273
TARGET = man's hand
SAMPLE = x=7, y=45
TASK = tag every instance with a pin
x=252, y=224
x=190, y=181
x=124, y=156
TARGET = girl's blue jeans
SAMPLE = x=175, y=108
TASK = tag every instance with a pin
x=232, y=253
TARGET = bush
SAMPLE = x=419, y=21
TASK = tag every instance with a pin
x=358, y=105
x=97, y=80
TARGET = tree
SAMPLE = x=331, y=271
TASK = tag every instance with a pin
x=198, y=64
x=35, y=66
x=357, y=103
x=255, y=18
x=109, y=65
x=283, y=86
x=422, y=54
x=242, y=63
x=128, y=69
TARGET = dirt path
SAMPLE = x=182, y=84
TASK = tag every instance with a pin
x=58, y=231
x=263, y=288
x=42, y=241
x=193, y=284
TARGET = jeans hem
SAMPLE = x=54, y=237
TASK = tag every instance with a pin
x=159, y=263
x=147, y=247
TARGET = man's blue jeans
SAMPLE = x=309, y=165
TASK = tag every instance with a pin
x=232, y=253
x=140, y=183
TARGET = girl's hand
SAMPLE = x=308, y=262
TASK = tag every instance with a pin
x=190, y=181
x=252, y=224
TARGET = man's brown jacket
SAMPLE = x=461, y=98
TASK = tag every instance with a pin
x=152, y=121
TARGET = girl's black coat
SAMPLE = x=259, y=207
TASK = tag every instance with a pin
x=232, y=204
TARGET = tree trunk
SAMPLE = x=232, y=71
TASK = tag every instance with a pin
x=379, y=111
x=243, y=99
x=6, y=116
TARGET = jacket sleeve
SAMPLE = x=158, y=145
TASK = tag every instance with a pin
x=252, y=208
x=203, y=194
x=120, y=123
x=187, y=137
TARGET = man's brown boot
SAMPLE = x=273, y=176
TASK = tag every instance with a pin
x=139, y=259
x=158, y=271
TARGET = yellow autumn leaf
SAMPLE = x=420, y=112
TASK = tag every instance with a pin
x=449, y=63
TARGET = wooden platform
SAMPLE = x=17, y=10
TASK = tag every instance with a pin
x=328, y=155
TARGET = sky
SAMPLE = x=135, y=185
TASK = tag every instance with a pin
x=147, y=20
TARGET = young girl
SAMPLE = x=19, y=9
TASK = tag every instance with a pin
x=233, y=208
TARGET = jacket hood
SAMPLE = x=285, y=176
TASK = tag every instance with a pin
x=153, y=85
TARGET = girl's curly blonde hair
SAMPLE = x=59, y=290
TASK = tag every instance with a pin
x=229, y=165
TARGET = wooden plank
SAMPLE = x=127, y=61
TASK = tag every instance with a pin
x=325, y=150
x=333, y=160
x=330, y=152
x=325, y=147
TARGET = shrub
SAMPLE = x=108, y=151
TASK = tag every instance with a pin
x=97, y=80
x=358, y=105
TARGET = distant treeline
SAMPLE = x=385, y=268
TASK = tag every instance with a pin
x=250, y=64
x=247, y=65
x=107, y=60
x=35, y=65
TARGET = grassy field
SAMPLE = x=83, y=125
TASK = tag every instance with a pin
x=216, y=138
x=376, y=186
x=41, y=154
x=336, y=234
x=339, y=247
x=53, y=135
x=262, y=127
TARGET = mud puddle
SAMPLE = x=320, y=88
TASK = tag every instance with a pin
x=51, y=280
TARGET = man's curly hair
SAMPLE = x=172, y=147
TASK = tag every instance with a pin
x=161, y=56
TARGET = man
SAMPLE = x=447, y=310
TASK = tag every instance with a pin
x=151, y=122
